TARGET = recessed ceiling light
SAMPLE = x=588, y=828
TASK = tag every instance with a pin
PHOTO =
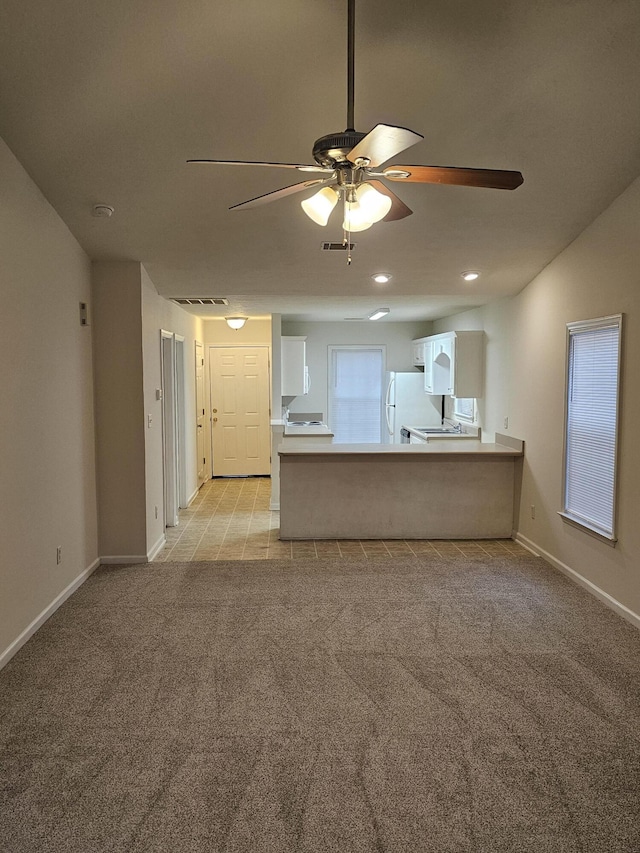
x=381, y=312
x=470, y=275
x=382, y=277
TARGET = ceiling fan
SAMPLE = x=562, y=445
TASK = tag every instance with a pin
x=350, y=164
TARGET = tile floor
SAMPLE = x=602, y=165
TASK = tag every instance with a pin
x=230, y=519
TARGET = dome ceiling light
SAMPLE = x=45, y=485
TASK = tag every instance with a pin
x=236, y=322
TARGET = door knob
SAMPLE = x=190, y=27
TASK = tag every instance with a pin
x=214, y=411
x=215, y=419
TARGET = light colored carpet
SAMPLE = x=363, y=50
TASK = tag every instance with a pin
x=418, y=705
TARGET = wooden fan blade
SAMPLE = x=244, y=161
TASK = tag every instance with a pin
x=492, y=178
x=276, y=194
x=303, y=167
x=382, y=142
x=398, y=208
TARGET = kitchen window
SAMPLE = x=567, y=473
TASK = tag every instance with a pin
x=464, y=407
x=355, y=393
x=591, y=424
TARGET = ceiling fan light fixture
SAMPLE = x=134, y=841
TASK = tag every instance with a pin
x=355, y=217
x=375, y=205
x=236, y=322
x=470, y=275
x=319, y=206
x=380, y=312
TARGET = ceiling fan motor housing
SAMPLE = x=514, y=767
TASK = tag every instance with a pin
x=331, y=151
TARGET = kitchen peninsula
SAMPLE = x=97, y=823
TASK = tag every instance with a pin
x=445, y=489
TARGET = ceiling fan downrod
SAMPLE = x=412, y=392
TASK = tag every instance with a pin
x=351, y=40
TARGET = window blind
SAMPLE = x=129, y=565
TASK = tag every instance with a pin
x=355, y=394
x=592, y=423
x=463, y=407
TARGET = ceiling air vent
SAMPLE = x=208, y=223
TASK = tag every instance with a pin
x=200, y=300
x=336, y=247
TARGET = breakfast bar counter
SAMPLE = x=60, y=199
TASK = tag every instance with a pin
x=447, y=489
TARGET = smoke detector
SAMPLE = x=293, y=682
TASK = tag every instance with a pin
x=102, y=211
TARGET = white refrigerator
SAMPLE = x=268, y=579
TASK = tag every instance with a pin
x=407, y=404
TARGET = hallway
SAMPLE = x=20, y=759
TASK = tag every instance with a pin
x=230, y=519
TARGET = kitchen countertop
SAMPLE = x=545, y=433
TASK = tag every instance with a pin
x=306, y=429
x=449, y=447
x=466, y=433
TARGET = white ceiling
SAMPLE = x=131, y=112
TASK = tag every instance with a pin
x=103, y=102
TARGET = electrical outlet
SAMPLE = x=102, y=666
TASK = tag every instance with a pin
x=506, y=423
x=58, y=555
x=533, y=511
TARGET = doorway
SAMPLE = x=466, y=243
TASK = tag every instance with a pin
x=173, y=434
x=240, y=411
x=200, y=411
x=183, y=497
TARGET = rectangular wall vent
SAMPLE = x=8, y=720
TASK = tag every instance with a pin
x=336, y=247
x=200, y=300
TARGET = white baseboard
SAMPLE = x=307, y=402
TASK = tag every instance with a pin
x=598, y=593
x=192, y=498
x=122, y=559
x=39, y=621
x=273, y=505
x=162, y=541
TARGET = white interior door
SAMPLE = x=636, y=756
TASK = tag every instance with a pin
x=200, y=410
x=169, y=429
x=183, y=497
x=240, y=416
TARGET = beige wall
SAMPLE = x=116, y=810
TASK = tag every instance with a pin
x=256, y=331
x=120, y=438
x=129, y=317
x=396, y=337
x=47, y=480
x=597, y=275
x=159, y=314
x=277, y=429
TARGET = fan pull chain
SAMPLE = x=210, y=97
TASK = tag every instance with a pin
x=346, y=235
x=346, y=241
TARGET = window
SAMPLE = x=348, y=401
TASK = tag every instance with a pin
x=355, y=394
x=464, y=407
x=591, y=424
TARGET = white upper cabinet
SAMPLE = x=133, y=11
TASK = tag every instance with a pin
x=417, y=350
x=295, y=375
x=454, y=364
